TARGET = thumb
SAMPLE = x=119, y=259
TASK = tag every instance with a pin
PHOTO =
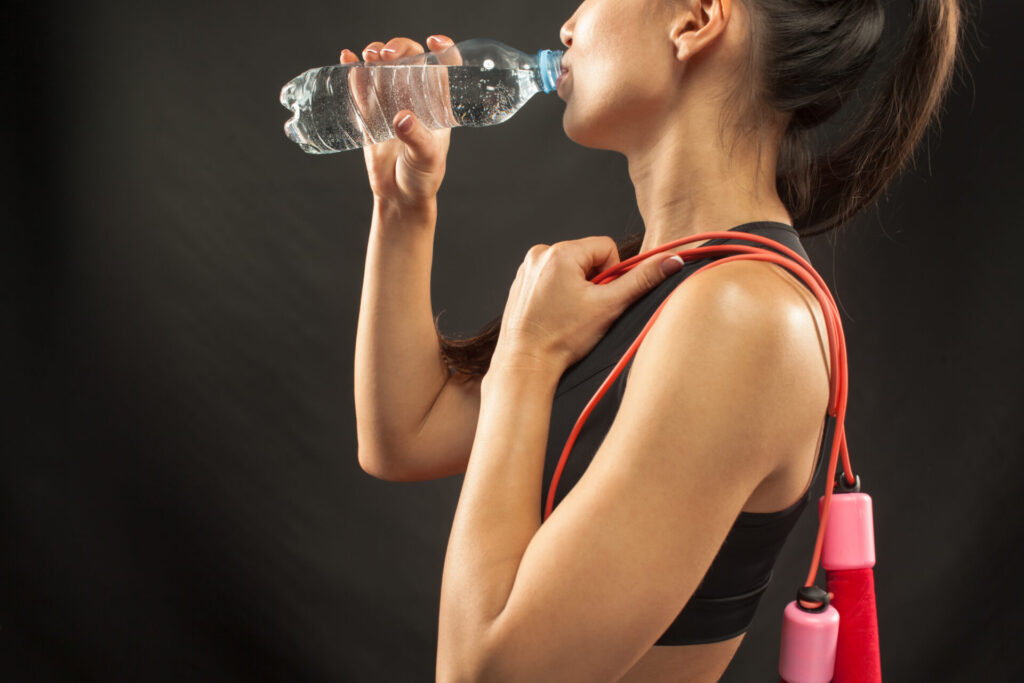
x=411, y=131
x=645, y=276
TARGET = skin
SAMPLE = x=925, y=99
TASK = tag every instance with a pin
x=585, y=595
x=688, y=179
x=666, y=123
x=722, y=412
x=406, y=171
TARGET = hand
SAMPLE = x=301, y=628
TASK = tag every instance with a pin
x=408, y=168
x=555, y=316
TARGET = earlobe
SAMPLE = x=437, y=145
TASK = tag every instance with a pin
x=682, y=50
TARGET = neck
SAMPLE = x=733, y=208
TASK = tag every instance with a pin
x=688, y=184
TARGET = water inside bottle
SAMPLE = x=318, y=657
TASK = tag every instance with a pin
x=342, y=107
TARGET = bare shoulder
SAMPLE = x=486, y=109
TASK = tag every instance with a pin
x=747, y=336
x=767, y=304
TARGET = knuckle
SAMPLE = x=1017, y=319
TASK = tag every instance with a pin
x=560, y=249
x=424, y=169
x=645, y=281
x=536, y=250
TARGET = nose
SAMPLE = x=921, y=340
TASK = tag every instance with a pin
x=565, y=34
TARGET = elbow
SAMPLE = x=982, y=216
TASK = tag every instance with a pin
x=462, y=672
x=451, y=674
x=380, y=454
x=488, y=672
x=476, y=663
x=375, y=465
x=462, y=652
x=451, y=667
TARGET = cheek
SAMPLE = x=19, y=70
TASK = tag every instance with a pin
x=611, y=94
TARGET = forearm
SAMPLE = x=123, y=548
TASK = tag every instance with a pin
x=498, y=511
x=398, y=367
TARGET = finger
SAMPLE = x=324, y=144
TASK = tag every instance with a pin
x=438, y=42
x=372, y=51
x=445, y=52
x=445, y=47
x=399, y=47
x=356, y=83
x=367, y=96
x=596, y=254
x=645, y=276
x=401, y=98
x=361, y=82
x=420, y=155
x=360, y=85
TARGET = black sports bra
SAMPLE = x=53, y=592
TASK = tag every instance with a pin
x=724, y=603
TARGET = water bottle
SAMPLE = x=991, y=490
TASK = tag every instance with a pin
x=477, y=82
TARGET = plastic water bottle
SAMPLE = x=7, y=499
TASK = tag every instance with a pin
x=478, y=82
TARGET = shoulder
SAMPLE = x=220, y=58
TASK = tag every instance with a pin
x=742, y=342
x=754, y=303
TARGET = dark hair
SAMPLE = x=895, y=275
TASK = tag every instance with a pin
x=806, y=59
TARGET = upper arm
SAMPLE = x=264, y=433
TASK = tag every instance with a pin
x=442, y=446
x=705, y=416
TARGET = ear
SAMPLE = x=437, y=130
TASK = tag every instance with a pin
x=698, y=25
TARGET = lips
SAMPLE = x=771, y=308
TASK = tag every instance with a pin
x=561, y=76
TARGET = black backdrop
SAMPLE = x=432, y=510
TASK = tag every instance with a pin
x=181, y=498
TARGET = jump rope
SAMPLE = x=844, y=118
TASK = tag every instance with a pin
x=817, y=646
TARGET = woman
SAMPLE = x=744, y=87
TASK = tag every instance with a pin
x=686, y=479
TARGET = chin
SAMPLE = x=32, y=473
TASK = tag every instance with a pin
x=591, y=132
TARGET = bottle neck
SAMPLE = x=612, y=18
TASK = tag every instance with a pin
x=549, y=64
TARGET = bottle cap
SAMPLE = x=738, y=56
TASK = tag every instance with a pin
x=549, y=62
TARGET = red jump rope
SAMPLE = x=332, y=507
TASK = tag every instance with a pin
x=817, y=646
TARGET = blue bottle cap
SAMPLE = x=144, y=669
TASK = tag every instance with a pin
x=550, y=64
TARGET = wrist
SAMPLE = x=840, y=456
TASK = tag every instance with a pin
x=521, y=367
x=394, y=211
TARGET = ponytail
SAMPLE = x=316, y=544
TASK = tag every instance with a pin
x=835, y=186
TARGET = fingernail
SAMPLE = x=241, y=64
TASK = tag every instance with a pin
x=405, y=124
x=388, y=51
x=671, y=265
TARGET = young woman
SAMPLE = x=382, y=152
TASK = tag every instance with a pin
x=684, y=482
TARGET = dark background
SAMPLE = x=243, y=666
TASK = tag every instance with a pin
x=181, y=498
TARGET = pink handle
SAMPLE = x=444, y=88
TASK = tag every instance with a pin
x=809, y=639
x=849, y=532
